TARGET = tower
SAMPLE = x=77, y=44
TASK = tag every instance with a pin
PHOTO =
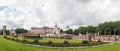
x=56, y=29
x=4, y=28
x=56, y=24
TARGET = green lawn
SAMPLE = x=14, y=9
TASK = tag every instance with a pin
x=58, y=40
x=50, y=39
x=6, y=45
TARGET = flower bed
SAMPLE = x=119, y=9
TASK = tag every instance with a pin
x=66, y=43
x=71, y=44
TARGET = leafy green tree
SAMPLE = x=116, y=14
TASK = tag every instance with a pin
x=76, y=32
x=69, y=31
x=90, y=29
x=6, y=31
x=61, y=30
x=82, y=30
x=106, y=28
x=20, y=31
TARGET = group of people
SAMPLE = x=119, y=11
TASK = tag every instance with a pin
x=96, y=38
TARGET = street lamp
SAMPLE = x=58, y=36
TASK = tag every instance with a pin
x=114, y=32
x=100, y=32
x=105, y=32
x=110, y=32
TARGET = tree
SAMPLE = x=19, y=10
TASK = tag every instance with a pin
x=69, y=31
x=90, y=29
x=6, y=31
x=61, y=31
x=20, y=31
x=82, y=30
x=76, y=32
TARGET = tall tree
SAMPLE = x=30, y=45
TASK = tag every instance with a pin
x=6, y=31
x=20, y=31
x=82, y=30
x=69, y=31
x=61, y=31
x=76, y=32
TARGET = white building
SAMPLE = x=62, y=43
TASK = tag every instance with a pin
x=12, y=32
x=45, y=30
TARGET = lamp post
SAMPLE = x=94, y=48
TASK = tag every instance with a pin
x=114, y=35
x=110, y=32
x=114, y=32
x=100, y=32
x=105, y=32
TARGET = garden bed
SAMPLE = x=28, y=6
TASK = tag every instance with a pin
x=50, y=43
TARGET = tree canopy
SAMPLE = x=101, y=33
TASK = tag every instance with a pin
x=6, y=31
x=20, y=31
x=106, y=28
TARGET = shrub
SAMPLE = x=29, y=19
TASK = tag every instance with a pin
x=92, y=43
x=16, y=40
x=12, y=39
x=29, y=42
x=7, y=37
x=55, y=44
x=50, y=42
x=42, y=43
x=74, y=44
x=36, y=41
x=24, y=41
x=65, y=42
x=85, y=42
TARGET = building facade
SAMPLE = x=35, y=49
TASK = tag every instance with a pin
x=45, y=30
x=4, y=28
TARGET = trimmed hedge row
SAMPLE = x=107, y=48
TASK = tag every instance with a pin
x=71, y=44
x=53, y=44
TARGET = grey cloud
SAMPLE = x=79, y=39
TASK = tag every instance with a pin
x=66, y=12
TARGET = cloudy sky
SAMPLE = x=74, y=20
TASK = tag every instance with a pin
x=73, y=13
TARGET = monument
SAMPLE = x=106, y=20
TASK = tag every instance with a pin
x=4, y=28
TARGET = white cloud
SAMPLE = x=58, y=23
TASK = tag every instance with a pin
x=75, y=13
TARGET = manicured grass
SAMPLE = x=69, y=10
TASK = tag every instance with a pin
x=6, y=45
x=58, y=40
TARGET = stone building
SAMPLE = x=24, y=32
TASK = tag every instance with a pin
x=45, y=30
x=12, y=32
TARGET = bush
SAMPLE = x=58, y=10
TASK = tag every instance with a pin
x=42, y=43
x=55, y=44
x=24, y=41
x=16, y=40
x=7, y=37
x=29, y=42
x=65, y=42
x=74, y=44
x=85, y=42
x=36, y=41
x=50, y=42
x=12, y=39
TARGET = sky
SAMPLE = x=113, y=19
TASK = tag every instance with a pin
x=72, y=13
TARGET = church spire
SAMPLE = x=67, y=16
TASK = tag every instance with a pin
x=56, y=24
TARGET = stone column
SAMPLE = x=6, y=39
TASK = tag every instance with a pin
x=4, y=28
